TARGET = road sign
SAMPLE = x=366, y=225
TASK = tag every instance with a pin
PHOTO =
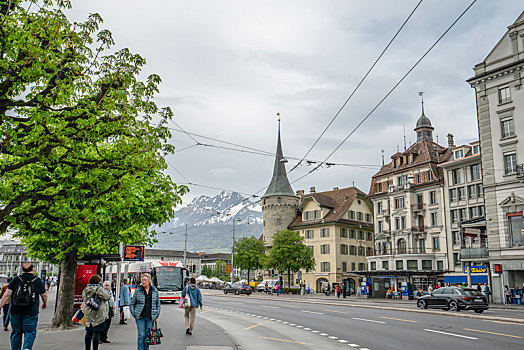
x=134, y=253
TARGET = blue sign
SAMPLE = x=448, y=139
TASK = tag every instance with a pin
x=477, y=269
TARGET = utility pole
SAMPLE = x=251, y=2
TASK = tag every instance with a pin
x=185, y=248
x=233, y=254
x=118, y=272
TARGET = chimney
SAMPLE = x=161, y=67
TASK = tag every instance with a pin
x=451, y=143
x=312, y=190
x=300, y=192
x=335, y=188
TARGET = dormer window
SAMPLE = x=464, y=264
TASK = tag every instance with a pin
x=279, y=199
x=459, y=154
x=476, y=149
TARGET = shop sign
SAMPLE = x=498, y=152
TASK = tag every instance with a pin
x=476, y=269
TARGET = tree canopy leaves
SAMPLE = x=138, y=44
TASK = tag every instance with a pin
x=249, y=254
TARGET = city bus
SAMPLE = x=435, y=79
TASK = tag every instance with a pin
x=168, y=277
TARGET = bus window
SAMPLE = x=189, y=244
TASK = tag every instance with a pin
x=169, y=278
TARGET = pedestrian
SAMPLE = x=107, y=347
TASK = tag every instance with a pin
x=5, y=309
x=430, y=289
x=96, y=308
x=266, y=289
x=113, y=287
x=438, y=285
x=507, y=294
x=24, y=291
x=343, y=290
x=486, y=291
x=110, y=314
x=338, y=291
x=195, y=300
x=125, y=298
x=478, y=287
x=145, y=308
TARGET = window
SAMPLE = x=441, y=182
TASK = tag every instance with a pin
x=352, y=250
x=453, y=195
x=361, y=266
x=418, y=178
x=456, y=260
x=475, y=172
x=359, y=216
x=456, y=237
x=399, y=265
x=399, y=202
x=279, y=200
x=401, y=246
x=312, y=215
x=397, y=223
x=343, y=233
x=462, y=193
x=510, y=163
x=368, y=217
x=435, y=243
x=344, y=249
x=352, y=266
x=504, y=94
x=309, y=234
x=373, y=266
x=379, y=208
x=361, y=251
x=380, y=226
x=412, y=264
x=324, y=266
x=455, y=215
x=433, y=197
x=402, y=180
x=352, y=234
x=402, y=222
x=480, y=191
x=369, y=236
x=463, y=214
x=324, y=232
x=474, y=212
x=361, y=235
x=324, y=249
x=434, y=219
x=508, y=128
x=516, y=229
x=279, y=222
x=459, y=154
x=427, y=265
x=472, y=191
x=385, y=265
x=456, y=176
x=440, y=265
x=352, y=215
x=476, y=149
x=344, y=266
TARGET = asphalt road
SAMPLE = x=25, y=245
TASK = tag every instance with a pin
x=375, y=329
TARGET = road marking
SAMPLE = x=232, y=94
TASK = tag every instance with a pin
x=299, y=326
x=363, y=319
x=338, y=312
x=452, y=334
x=354, y=345
x=295, y=307
x=251, y=327
x=284, y=340
x=333, y=337
x=502, y=334
x=398, y=319
x=307, y=329
x=323, y=334
x=517, y=324
x=342, y=341
x=313, y=312
x=270, y=307
x=203, y=312
x=315, y=331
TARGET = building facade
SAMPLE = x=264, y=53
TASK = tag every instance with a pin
x=409, y=220
x=13, y=255
x=500, y=112
x=338, y=226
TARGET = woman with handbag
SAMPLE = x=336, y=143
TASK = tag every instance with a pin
x=110, y=314
x=145, y=308
x=192, y=299
x=95, y=308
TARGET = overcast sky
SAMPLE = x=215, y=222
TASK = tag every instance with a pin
x=229, y=66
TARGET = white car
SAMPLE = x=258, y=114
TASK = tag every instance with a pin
x=261, y=287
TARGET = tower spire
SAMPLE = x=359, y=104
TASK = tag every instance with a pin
x=421, y=94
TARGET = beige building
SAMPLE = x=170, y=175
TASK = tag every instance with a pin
x=338, y=226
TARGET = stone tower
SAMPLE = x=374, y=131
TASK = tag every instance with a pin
x=424, y=128
x=279, y=203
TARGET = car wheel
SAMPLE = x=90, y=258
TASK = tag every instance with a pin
x=237, y=292
x=225, y=291
x=421, y=304
x=478, y=311
x=248, y=293
x=453, y=306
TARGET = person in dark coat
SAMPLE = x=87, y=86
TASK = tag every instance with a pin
x=145, y=308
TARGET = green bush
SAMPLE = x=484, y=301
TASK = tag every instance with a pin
x=291, y=290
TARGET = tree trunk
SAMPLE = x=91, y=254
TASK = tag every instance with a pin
x=288, y=279
x=66, y=293
x=247, y=276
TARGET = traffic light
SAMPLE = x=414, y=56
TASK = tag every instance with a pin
x=497, y=268
x=272, y=272
x=194, y=268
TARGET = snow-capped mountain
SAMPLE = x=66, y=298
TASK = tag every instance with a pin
x=210, y=223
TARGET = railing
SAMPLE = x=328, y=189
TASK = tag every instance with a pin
x=418, y=206
x=389, y=251
x=473, y=253
x=418, y=228
x=384, y=212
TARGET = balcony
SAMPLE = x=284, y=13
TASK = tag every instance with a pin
x=384, y=212
x=418, y=207
x=473, y=253
x=401, y=251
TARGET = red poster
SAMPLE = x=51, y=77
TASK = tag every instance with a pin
x=83, y=273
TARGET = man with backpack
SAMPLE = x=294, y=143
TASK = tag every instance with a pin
x=24, y=291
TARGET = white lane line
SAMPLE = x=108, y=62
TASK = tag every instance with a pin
x=354, y=345
x=333, y=337
x=364, y=349
x=271, y=319
x=269, y=307
x=363, y=319
x=342, y=341
x=323, y=334
x=307, y=329
x=299, y=326
x=314, y=331
x=292, y=324
x=285, y=322
x=452, y=334
x=313, y=312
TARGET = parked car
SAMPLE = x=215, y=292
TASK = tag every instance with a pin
x=238, y=288
x=261, y=287
x=454, y=299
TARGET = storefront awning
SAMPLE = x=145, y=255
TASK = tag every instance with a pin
x=475, y=279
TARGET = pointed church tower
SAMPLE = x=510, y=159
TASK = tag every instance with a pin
x=279, y=203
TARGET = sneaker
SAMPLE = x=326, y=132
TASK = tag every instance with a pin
x=6, y=329
x=105, y=341
x=187, y=331
x=122, y=322
x=190, y=333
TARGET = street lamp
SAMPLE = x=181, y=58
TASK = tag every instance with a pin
x=233, y=252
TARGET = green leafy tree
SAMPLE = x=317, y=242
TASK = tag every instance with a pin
x=249, y=254
x=82, y=141
x=207, y=271
x=290, y=254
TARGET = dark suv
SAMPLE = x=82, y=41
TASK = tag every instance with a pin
x=454, y=299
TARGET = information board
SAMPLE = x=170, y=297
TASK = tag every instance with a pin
x=134, y=253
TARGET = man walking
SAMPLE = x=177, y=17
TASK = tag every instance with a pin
x=125, y=298
x=24, y=291
x=486, y=291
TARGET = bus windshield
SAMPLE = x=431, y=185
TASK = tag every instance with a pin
x=169, y=278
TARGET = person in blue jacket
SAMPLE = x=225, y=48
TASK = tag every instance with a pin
x=195, y=299
x=125, y=299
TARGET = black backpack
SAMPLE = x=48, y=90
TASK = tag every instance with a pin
x=95, y=302
x=25, y=294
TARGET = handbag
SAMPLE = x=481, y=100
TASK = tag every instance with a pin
x=187, y=300
x=94, y=302
x=153, y=335
x=127, y=312
x=79, y=317
x=181, y=302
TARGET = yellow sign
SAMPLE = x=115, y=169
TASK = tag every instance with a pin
x=477, y=269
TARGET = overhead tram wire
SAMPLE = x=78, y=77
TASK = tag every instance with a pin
x=358, y=86
x=389, y=93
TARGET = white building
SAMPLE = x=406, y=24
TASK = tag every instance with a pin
x=500, y=110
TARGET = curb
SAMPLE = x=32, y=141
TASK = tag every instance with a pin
x=376, y=307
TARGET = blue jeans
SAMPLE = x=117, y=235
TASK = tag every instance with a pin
x=142, y=325
x=26, y=325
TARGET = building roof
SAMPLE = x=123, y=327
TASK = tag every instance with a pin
x=423, y=122
x=151, y=252
x=215, y=256
x=338, y=201
x=12, y=248
x=279, y=185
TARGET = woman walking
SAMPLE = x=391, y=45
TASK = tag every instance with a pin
x=195, y=299
x=110, y=314
x=145, y=308
x=5, y=308
x=95, y=308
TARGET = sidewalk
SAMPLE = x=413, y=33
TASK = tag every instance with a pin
x=206, y=335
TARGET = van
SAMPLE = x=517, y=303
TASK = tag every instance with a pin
x=262, y=285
